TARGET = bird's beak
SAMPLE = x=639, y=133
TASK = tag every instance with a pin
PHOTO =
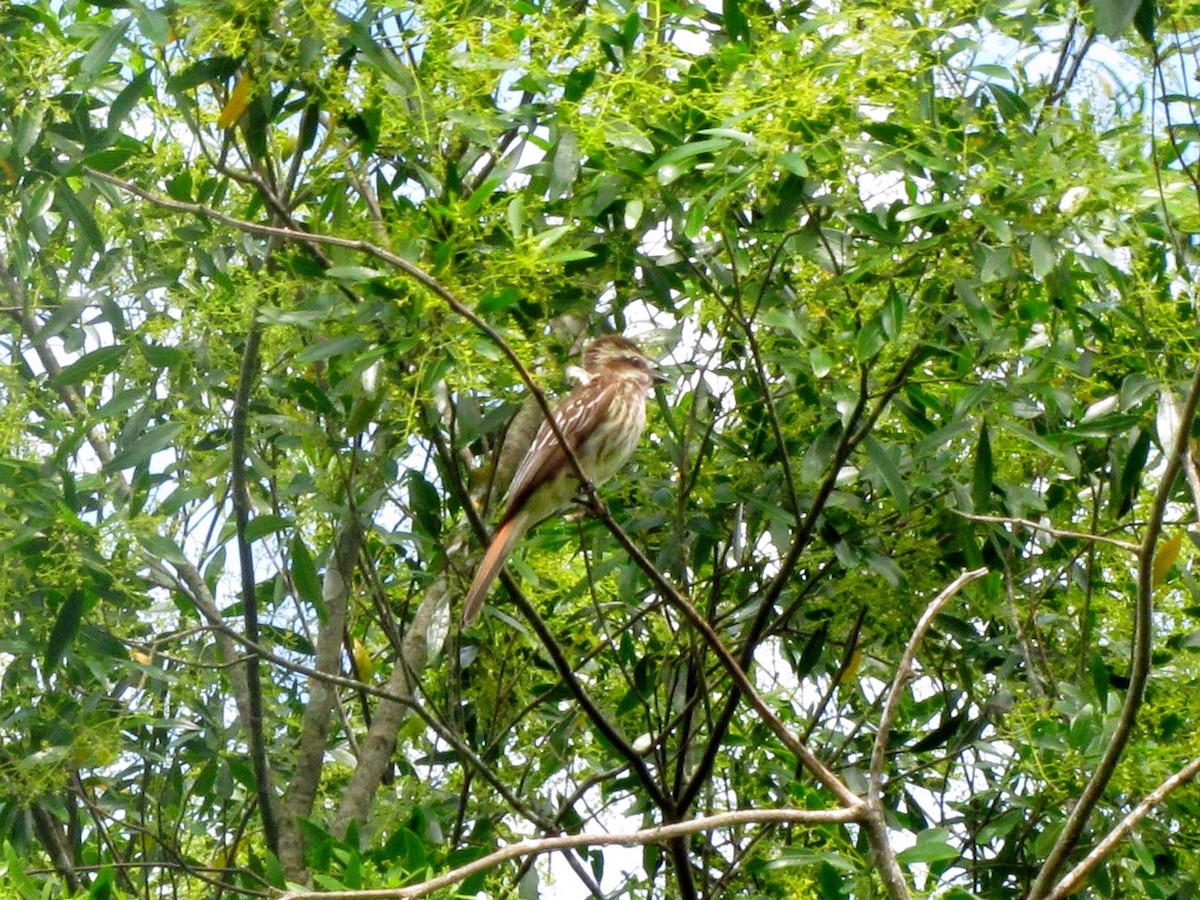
x=659, y=376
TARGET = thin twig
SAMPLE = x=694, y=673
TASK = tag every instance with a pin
x=1052, y=531
x=415, y=272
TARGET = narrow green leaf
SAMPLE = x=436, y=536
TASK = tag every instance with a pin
x=216, y=68
x=68, y=204
x=736, y=24
x=66, y=624
x=329, y=347
x=984, y=472
x=1100, y=679
x=794, y=163
x=425, y=503
x=102, y=49
x=104, y=886
x=146, y=445
x=162, y=547
x=564, y=168
x=1145, y=19
x=125, y=101
x=885, y=462
x=925, y=210
x=1131, y=473
x=261, y=526
x=1135, y=388
x=103, y=360
x=499, y=299
x=352, y=273
x=1041, y=255
x=684, y=152
x=813, y=648
x=622, y=134
x=304, y=574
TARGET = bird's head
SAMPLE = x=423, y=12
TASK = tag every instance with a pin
x=614, y=353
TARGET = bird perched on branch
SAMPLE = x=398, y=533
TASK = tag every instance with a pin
x=602, y=420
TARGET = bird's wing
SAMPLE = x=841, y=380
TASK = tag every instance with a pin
x=577, y=416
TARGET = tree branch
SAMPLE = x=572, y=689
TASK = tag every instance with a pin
x=885, y=860
x=1139, y=664
x=1073, y=880
x=659, y=835
x=1050, y=530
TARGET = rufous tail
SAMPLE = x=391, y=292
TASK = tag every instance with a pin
x=498, y=552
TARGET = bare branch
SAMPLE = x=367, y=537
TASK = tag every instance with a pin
x=659, y=835
x=1139, y=667
x=885, y=860
x=1073, y=880
x=1050, y=530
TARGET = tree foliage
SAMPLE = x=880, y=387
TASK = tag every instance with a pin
x=285, y=286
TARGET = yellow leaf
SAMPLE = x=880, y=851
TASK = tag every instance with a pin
x=362, y=661
x=238, y=100
x=1164, y=558
x=852, y=669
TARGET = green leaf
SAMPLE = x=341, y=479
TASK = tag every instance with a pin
x=564, y=167
x=216, y=68
x=162, y=547
x=66, y=624
x=304, y=576
x=66, y=201
x=145, y=445
x=337, y=346
x=1131, y=473
x=622, y=134
x=736, y=24
x=499, y=299
x=266, y=524
x=925, y=210
x=1100, y=679
x=983, y=475
x=678, y=160
x=1145, y=19
x=102, y=49
x=104, y=887
x=813, y=648
x=998, y=226
x=933, y=845
x=352, y=274
x=425, y=503
x=1114, y=16
x=1041, y=254
x=794, y=163
x=885, y=463
x=125, y=101
x=566, y=256
x=103, y=360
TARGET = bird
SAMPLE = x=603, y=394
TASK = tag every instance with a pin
x=602, y=420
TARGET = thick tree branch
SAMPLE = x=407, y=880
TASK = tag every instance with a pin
x=315, y=721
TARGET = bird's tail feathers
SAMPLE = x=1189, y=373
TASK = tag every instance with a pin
x=498, y=552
